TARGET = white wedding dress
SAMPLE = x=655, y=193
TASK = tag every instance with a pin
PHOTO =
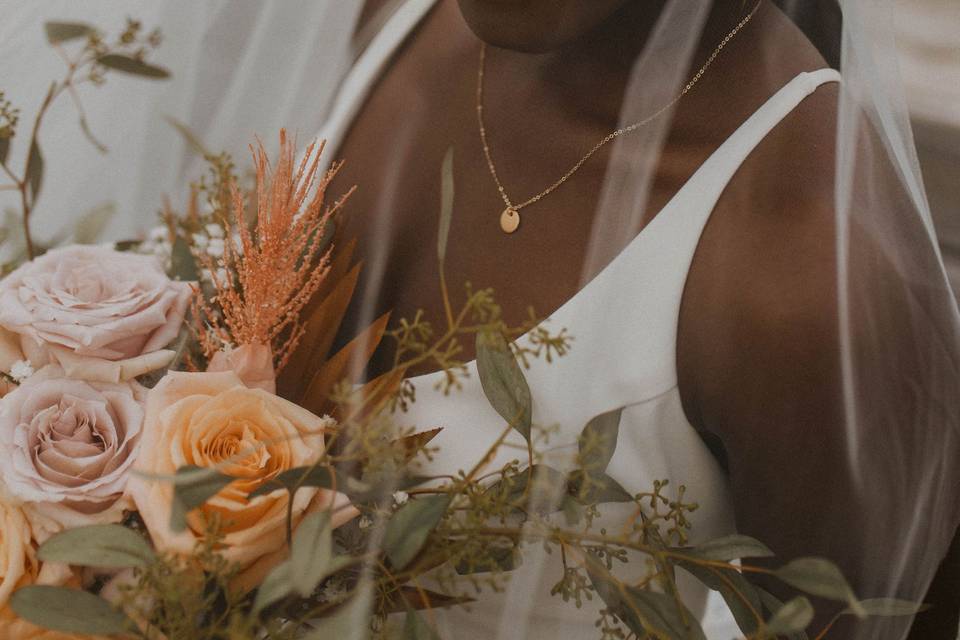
x=624, y=356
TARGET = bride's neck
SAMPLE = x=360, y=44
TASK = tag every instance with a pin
x=592, y=70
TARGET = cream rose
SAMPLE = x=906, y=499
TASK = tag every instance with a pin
x=212, y=420
x=67, y=448
x=99, y=313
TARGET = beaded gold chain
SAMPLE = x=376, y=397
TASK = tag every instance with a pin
x=510, y=216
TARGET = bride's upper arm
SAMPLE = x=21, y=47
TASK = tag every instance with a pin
x=758, y=346
x=759, y=354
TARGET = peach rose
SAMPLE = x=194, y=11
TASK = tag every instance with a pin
x=213, y=420
x=19, y=567
x=10, y=353
x=99, y=313
x=67, y=447
x=18, y=561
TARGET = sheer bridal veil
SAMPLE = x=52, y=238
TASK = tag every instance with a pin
x=245, y=67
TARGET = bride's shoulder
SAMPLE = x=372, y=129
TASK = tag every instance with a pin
x=759, y=304
x=788, y=178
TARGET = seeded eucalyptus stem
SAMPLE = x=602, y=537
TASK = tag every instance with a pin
x=92, y=59
x=26, y=203
x=23, y=184
x=827, y=627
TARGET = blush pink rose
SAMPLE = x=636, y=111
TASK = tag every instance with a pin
x=67, y=448
x=85, y=303
x=213, y=420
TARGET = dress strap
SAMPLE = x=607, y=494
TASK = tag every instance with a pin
x=712, y=177
x=640, y=291
x=369, y=66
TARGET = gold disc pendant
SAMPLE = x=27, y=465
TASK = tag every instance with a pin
x=509, y=220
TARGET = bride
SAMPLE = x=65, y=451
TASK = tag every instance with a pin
x=719, y=201
x=668, y=183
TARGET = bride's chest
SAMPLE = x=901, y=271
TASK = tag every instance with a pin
x=425, y=103
x=422, y=106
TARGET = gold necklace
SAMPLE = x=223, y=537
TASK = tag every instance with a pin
x=510, y=216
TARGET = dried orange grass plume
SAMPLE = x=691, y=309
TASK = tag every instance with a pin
x=278, y=265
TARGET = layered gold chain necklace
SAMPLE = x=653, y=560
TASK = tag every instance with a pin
x=510, y=216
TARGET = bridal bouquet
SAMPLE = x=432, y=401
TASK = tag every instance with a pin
x=183, y=454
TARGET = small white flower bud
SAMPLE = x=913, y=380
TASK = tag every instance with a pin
x=21, y=370
x=215, y=248
x=214, y=230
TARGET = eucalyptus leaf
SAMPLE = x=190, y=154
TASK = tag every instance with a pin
x=64, y=31
x=90, y=225
x=194, y=486
x=183, y=266
x=598, y=440
x=546, y=481
x=274, y=588
x=324, y=477
x=503, y=382
x=416, y=628
x=572, y=511
x=88, y=133
x=109, y=546
x=733, y=547
x=189, y=136
x=408, y=528
x=350, y=621
x=741, y=597
x=419, y=599
x=311, y=552
x=644, y=612
x=888, y=607
x=604, y=587
x=793, y=617
x=773, y=605
x=497, y=559
x=819, y=577
x=133, y=66
x=601, y=489
x=68, y=610
x=34, y=174
x=312, y=476
x=446, y=204
x=664, y=614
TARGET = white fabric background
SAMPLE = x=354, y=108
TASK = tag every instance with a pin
x=211, y=67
